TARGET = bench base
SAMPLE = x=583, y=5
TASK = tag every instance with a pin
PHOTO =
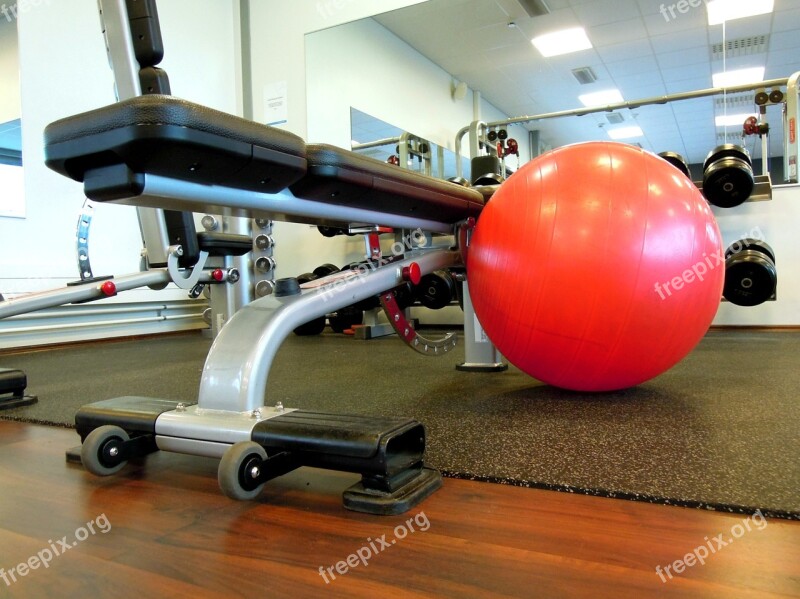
x=387, y=452
x=12, y=390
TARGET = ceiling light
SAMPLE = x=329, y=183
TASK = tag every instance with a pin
x=720, y=11
x=731, y=120
x=625, y=132
x=738, y=77
x=603, y=98
x=562, y=42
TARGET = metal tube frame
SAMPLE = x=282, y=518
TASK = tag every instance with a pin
x=666, y=99
x=236, y=369
x=181, y=195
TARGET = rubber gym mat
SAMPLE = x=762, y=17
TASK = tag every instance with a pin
x=718, y=431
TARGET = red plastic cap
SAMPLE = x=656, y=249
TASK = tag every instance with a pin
x=108, y=289
x=217, y=274
x=412, y=273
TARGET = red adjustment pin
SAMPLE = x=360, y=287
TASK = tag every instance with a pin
x=108, y=289
x=218, y=274
x=412, y=273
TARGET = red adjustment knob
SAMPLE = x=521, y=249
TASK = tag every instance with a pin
x=412, y=273
x=108, y=289
x=218, y=274
x=750, y=126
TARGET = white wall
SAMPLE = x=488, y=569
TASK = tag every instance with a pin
x=69, y=74
x=776, y=221
x=9, y=72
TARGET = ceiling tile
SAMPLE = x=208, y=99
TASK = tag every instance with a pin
x=626, y=51
x=618, y=31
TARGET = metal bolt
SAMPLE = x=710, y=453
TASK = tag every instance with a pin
x=210, y=223
x=256, y=413
x=255, y=472
x=397, y=318
x=181, y=407
x=113, y=452
x=233, y=275
x=263, y=223
x=264, y=242
x=264, y=288
x=279, y=406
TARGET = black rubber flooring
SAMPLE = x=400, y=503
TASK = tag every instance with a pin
x=719, y=431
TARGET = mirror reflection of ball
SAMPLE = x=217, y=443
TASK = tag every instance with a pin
x=595, y=267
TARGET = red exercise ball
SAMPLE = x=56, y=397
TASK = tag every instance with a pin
x=596, y=267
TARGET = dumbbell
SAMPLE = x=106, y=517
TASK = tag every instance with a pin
x=728, y=176
x=345, y=319
x=324, y=270
x=331, y=231
x=459, y=181
x=677, y=161
x=315, y=326
x=750, y=274
x=435, y=290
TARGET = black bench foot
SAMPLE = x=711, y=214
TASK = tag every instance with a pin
x=361, y=497
x=12, y=390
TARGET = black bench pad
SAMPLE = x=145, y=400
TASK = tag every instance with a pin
x=167, y=136
x=338, y=176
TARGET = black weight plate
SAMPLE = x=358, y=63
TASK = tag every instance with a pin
x=748, y=243
x=312, y=327
x=345, y=319
x=435, y=290
x=728, y=182
x=677, y=161
x=325, y=269
x=404, y=295
x=750, y=281
x=725, y=151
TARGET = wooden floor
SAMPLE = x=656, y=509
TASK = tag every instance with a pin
x=170, y=533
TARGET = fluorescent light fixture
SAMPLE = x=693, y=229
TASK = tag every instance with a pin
x=603, y=98
x=731, y=120
x=562, y=42
x=728, y=10
x=738, y=77
x=625, y=132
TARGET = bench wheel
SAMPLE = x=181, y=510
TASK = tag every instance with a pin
x=100, y=450
x=239, y=470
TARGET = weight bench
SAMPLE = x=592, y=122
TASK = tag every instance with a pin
x=162, y=152
x=12, y=389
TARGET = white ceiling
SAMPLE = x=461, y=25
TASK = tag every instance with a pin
x=635, y=49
